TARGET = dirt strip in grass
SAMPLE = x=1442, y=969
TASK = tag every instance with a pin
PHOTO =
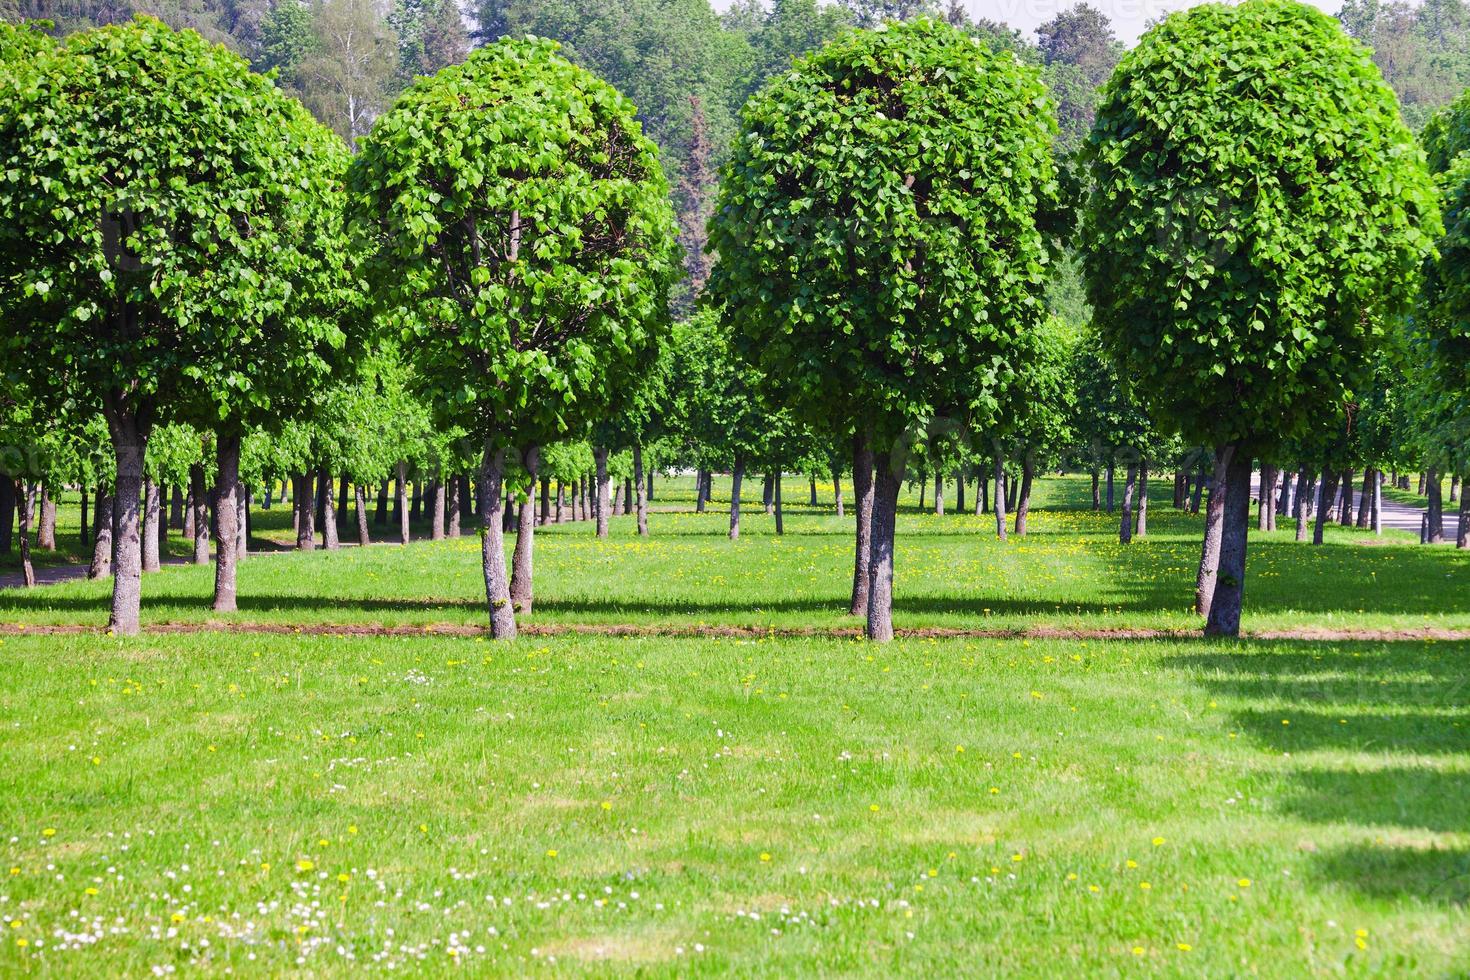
x=1322, y=634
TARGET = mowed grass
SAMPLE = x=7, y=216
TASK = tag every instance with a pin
x=1069, y=572
x=774, y=805
x=697, y=807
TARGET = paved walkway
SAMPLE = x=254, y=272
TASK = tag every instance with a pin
x=1395, y=515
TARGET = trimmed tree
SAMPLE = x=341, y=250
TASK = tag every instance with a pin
x=873, y=260
x=147, y=178
x=1257, y=208
x=521, y=241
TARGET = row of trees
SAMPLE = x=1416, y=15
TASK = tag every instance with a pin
x=493, y=271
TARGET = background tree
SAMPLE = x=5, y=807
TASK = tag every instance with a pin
x=523, y=245
x=869, y=278
x=1219, y=270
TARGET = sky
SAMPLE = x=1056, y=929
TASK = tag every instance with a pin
x=1128, y=16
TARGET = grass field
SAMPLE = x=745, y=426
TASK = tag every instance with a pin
x=752, y=805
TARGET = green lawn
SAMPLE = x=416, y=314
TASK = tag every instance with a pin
x=774, y=805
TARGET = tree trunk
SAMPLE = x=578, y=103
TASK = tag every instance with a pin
x=1199, y=485
x=1023, y=500
x=380, y=516
x=189, y=509
x=1209, y=560
x=650, y=485
x=561, y=499
x=341, y=496
x=522, y=582
x=1326, y=493
x=923, y=488
x=1462, y=538
x=82, y=527
x=768, y=496
x=982, y=492
x=302, y=489
x=1096, y=490
x=46, y=530
x=737, y=477
x=1224, y=618
x=880, y=567
x=329, y=512
x=1140, y=520
x=359, y=496
x=405, y=532
x=101, y=534
x=439, y=504
x=323, y=497
x=939, y=492
x=604, y=504
x=1436, y=505
x=1000, y=494
x=492, y=547
x=812, y=500
x=200, y=495
x=1267, y=495
x=545, y=517
x=130, y=447
x=451, y=507
x=1365, y=497
x=227, y=485
x=466, y=502
x=28, y=573
x=699, y=490
x=1304, y=503
x=1376, y=517
x=1130, y=483
x=638, y=489
x=508, y=515
x=417, y=509
x=959, y=491
x=149, y=540
x=242, y=508
x=862, y=498
x=780, y=527
x=1181, y=488
x=1345, y=515
x=1112, y=468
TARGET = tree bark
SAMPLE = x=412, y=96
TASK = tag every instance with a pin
x=440, y=510
x=227, y=485
x=1096, y=489
x=939, y=492
x=1199, y=485
x=639, y=488
x=780, y=527
x=1376, y=517
x=187, y=525
x=959, y=491
x=1023, y=500
x=1365, y=497
x=130, y=447
x=1345, y=515
x=736, y=479
x=699, y=485
x=1326, y=493
x=1434, y=491
x=812, y=500
x=1112, y=468
x=1267, y=497
x=1140, y=520
x=330, y=540
x=880, y=567
x=492, y=547
x=466, y=502
x=380, y=515
x=650, y=485
x=359, y=496
x=522, y=582
x=1130, y=483
x=176, y=509
x=768, y=496
x=86, y=519
x=1304, y=503
x=862, y=497
x=561, y=497
x=1000, y=494
x=101, y=534
x=1224, y=618
x=28, y=573
x=1462, y=538
x=46, y=529
x=1209, y=560
x=405, y=532
x=149, y=540
x=451, y=507
x=303, y=492
x=604, y=504
x=200, y=518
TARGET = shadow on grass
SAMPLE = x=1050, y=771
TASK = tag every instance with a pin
x=1438, y=875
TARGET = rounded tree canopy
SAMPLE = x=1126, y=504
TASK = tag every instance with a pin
x=168, y=217
x=877, y=223
x=1257, y=211
x=521, y=238
x=1447, y=134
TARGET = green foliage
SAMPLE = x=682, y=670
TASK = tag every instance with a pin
x=217, y=203
x=520, y=239
x=869, y=262
x=1422, y=49
x=1232, y=148
x=286, y=38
